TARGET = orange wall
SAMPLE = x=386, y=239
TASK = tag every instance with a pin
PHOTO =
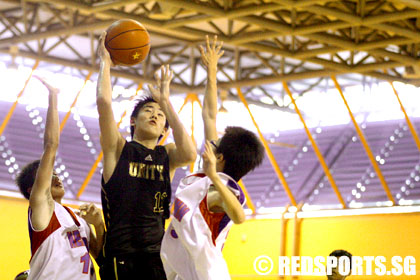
x=370, y=235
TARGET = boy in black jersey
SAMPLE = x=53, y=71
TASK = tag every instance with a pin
x=136, y=177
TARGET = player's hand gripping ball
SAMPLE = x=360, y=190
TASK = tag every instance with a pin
x=128, y=42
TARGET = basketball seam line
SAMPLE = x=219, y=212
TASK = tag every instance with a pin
x=119, y=49
x=123, y=33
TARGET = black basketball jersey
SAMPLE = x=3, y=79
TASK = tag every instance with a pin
x=136, y=200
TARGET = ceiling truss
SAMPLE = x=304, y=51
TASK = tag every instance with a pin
x=266, y=42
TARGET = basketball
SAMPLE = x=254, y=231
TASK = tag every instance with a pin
x=128, y=42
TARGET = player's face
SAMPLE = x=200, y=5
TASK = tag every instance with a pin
x=220, y=163
x=57, y=189
x=336, y=275
x=150, y=120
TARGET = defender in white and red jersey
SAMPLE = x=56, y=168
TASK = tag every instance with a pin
x=65, y=233
x=193, y=243
x=206, y=205
x=60, y=240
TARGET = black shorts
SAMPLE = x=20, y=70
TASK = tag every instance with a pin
x=147, y=266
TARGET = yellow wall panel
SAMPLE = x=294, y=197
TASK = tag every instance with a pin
x=369, y=235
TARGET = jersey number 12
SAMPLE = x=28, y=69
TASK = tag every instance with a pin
x=77, y=241
x=159, y=197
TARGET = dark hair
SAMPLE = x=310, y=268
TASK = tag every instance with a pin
x=26, y=178
x=341, y=253
x=23, y=275
x=143, y=101
x=241, y=150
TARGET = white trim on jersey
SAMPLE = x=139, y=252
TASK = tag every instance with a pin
x=191, y=247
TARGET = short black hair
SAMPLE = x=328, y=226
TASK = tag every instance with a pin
x=341, y=253
x=140, y=103
x=26, y=178
x=23, y=275
x=241, y=150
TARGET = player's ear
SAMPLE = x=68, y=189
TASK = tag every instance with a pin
x=220, y=161
x=165, y=130
x=132, y=121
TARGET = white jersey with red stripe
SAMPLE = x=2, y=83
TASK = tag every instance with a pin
x=60, y=251
x=192, y=244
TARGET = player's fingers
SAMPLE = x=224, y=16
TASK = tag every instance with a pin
x=162, y=71
x=157, y=78
x=208, y=42
x=201, y=49
x=167, y=71
x=151, y=90
x=171, y=75
x=219, y=46
x=150, y=87
x=90, y=208
x=42, y=80
x=102, y=39
x=83, y=206
x=214, y=41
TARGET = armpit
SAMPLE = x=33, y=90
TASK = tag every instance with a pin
x=214, y=201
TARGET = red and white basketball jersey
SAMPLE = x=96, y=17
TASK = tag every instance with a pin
x=61, y=250
x=192, y=244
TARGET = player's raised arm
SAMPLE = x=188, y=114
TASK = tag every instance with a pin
x=41, y=201
x=183, y=151
x=229, y=202
x=112, y=141
x=210, y=58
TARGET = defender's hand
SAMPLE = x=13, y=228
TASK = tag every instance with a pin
x=213, y=52
x=51, y=89
x=209, y=160
x=91, y=214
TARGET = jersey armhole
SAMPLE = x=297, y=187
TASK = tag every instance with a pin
x=37, y=237
x=115, y=168
x=30, y=220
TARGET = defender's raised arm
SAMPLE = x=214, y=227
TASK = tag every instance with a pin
x=210, y=58
x=41, y=201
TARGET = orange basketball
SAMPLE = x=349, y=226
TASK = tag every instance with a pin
x=127, y=41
